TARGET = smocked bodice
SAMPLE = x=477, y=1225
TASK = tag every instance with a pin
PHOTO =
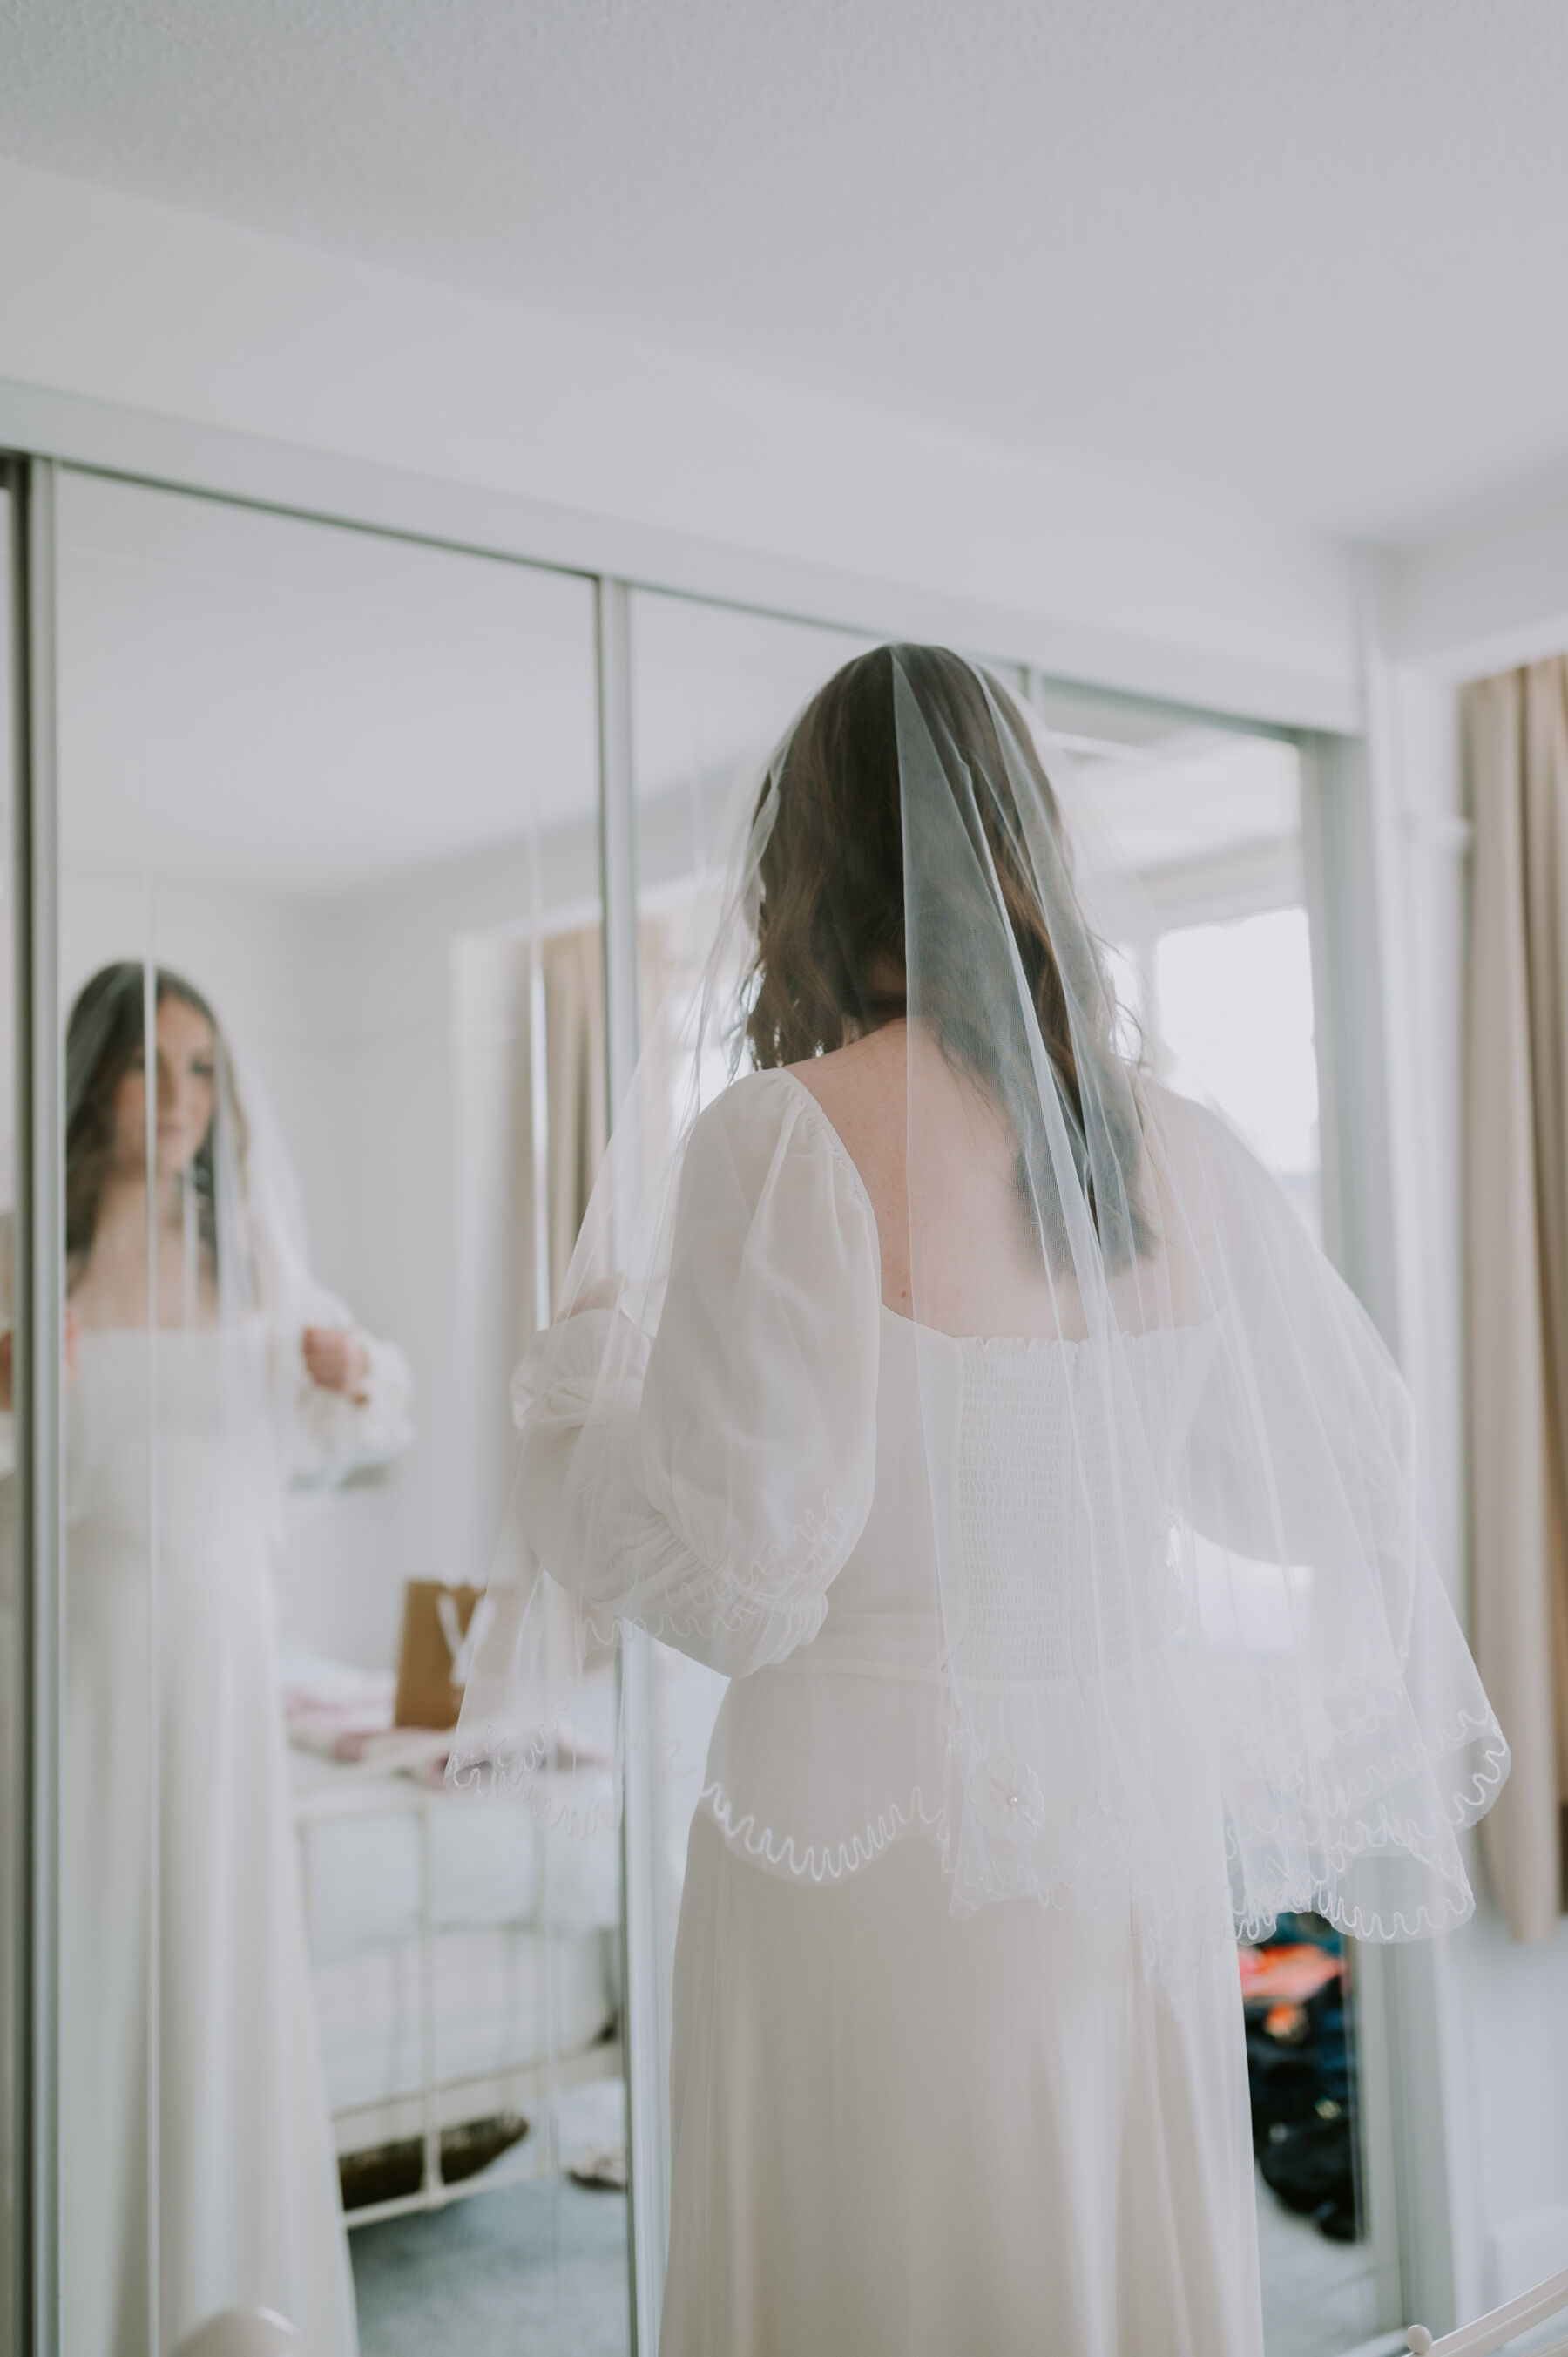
x=1016, y=1449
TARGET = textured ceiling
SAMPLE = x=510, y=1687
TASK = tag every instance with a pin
x=1309, y=259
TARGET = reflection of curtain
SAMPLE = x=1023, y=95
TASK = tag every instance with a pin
x=576, y=1081
x=576, y=1085
x=1516, y=1254
x=576, y=1096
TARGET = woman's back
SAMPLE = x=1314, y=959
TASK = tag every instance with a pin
x=997, y=2151
x=974, y=1256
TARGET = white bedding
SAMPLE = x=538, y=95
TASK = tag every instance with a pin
x=507, y=1899
x=491, y=2013
x=362, y=1841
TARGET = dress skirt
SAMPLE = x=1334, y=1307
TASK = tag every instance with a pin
x=199, y=2172
x=896, y=2134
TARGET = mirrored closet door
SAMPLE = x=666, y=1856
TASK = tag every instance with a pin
x=15, y=1648
x=1215, y=957
x=1213, y=944
x=329, y=974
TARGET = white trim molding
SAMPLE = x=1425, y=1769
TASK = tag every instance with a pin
x=179, y=455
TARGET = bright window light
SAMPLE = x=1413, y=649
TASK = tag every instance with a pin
x=1235, y=1015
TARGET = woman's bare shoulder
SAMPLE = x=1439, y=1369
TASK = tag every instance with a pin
x=868, y=1072
x=862, y=1091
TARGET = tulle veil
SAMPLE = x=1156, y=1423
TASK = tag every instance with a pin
x=244, y=1278
x=1167, y=1481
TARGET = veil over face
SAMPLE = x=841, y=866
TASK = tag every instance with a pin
x=216, y=1162
x=215, y=1246
x=1171, y=1638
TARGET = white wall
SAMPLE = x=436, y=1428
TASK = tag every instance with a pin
x=1489, y=591
x=124, y=301
x=1481, y=599
x=386, y=1153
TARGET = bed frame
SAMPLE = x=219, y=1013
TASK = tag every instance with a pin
x=1490, y=2332
x=437, y=2102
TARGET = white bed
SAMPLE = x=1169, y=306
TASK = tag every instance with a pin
x=465, y=1962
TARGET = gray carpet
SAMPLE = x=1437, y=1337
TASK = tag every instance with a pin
x=541, y=2271
x=1318, y=2297
x=527, y=2271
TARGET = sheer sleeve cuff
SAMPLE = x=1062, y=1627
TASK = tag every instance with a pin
x=736, y=1617
x=558, y=1374
x=383, y=1424
x=336, y=1435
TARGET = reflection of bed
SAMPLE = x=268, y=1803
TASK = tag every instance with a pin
x=465, y=1962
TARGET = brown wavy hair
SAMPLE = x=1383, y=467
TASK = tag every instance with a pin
x=102, y=1040
x=829, y=958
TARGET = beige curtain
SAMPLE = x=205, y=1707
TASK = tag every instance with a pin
x=1517, y=1272
x=576, y=1087
x=576, y=1097
x=576, y=1075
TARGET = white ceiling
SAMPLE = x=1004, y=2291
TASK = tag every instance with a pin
x=1303, y=259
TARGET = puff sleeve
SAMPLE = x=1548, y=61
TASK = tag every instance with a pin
x=705, y=1475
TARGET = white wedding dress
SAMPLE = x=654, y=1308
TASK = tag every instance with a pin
x=1075, y=1621
x=898, y=2132
x=179, y=1868
x=988, y=2132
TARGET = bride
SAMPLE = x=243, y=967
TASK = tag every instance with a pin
x=205, y=1370
x=986, y=1413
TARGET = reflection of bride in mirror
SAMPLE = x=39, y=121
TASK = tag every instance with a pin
x=181, y=1440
